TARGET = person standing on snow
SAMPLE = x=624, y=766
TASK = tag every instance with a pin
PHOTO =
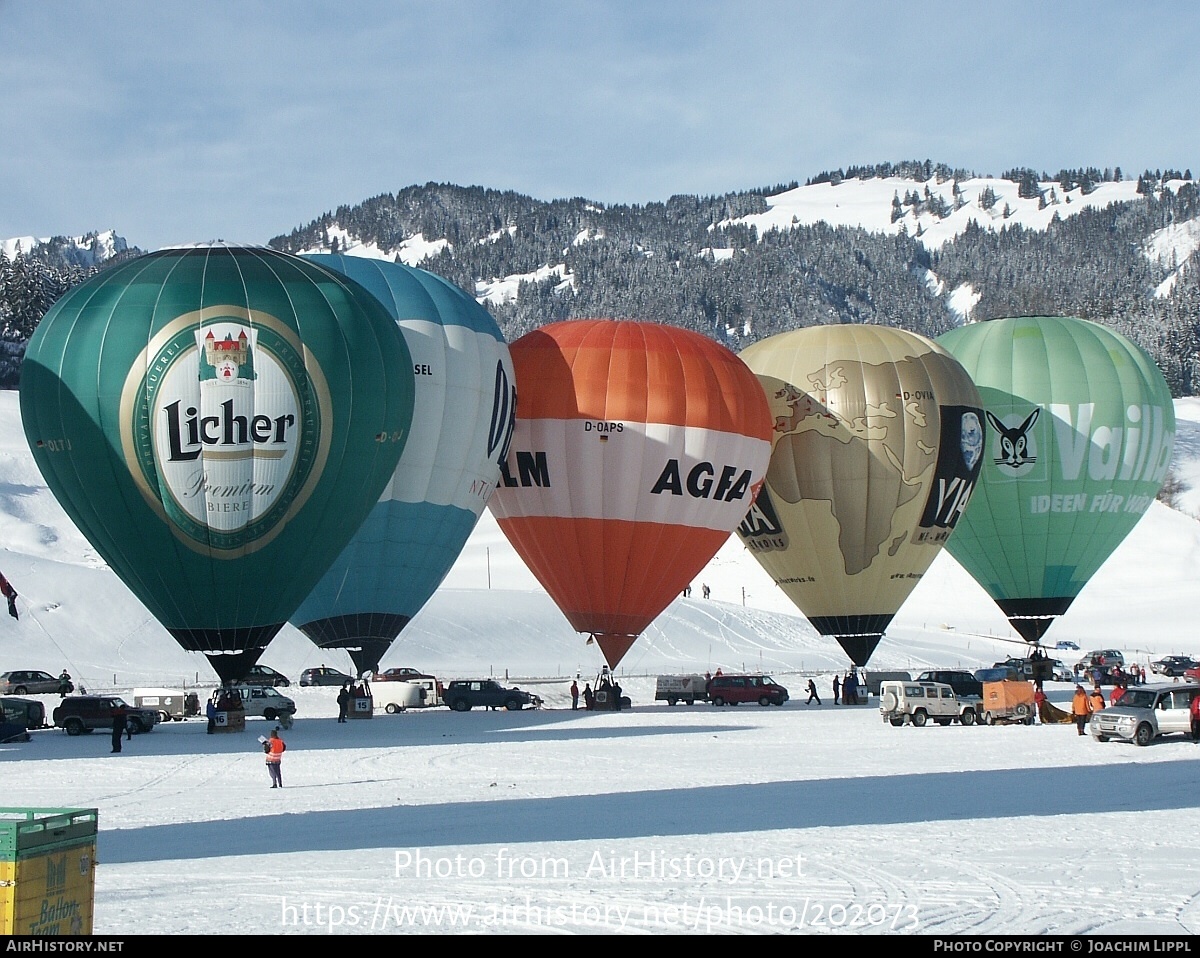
x=837, y=688
x=11, y=594
x=274, y=748
x=120, y=726
x=812, y=693
x=574, y=696
x=1081, y=709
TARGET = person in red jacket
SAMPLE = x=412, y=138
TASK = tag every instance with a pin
x=11, y=594
x=1194, y=710
x=274, y=748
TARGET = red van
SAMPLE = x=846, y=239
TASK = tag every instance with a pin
x=735, y=689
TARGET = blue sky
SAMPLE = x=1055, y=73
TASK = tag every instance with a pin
x=186, y=122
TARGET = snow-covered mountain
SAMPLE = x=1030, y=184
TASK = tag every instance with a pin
x=91, y=249
x=933, y=211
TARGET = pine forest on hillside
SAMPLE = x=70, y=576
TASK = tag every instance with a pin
x=682, y=262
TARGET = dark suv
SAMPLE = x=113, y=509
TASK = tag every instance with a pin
x=264, y=675
x=1173, y=665
x=84, y=713
x=462, y=695
x=734, y=689
x=963, y=682
x=324, y=676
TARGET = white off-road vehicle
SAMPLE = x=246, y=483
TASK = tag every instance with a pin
x=918, y=703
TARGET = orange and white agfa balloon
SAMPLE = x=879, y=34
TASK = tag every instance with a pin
x=637, y=450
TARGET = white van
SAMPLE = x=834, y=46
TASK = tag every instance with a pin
x=266, y=701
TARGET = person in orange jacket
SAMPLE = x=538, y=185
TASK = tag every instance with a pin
x=274, y=748
x=1096, y=700
x=1081, y=709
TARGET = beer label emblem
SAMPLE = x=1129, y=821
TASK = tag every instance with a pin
x=222, y=427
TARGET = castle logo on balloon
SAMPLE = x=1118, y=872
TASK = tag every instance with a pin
x=223, y=444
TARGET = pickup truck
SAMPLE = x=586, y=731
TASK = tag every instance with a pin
x=462, y=695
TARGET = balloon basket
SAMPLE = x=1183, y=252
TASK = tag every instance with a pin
x=229, y=720
x=361, y=707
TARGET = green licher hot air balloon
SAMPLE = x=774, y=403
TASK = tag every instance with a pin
x=218, y=421
x=876, y=448
x=1080, y=431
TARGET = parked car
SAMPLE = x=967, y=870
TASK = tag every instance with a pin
x=1066, y=644
x=1173, y=665
x=84, y=713
x=264, y=675
x=1146, y=712
x=963, y=682
x=400, y=675
x=462, y=695
x=1061, y=671
x=1036, y=667
x=28, y=712
x=918, y=703
x=735, y=689
x=323, y=676
x=28, y=682
x=1106, y=658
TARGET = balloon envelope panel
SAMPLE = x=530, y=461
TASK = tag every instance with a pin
x=218, y=421
x=637, y=449
x=877, y=446
x=462, y=421
x=1080, y=430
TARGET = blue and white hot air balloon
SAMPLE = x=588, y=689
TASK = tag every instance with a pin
x=462, y=421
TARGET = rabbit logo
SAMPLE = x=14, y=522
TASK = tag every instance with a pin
x=1017, y=448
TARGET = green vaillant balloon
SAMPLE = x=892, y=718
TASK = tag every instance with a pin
x=1080, y=431
x=218, y=421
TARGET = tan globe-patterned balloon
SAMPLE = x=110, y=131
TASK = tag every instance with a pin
x=876, y=448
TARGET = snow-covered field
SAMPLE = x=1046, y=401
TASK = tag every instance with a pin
x=801, y=819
